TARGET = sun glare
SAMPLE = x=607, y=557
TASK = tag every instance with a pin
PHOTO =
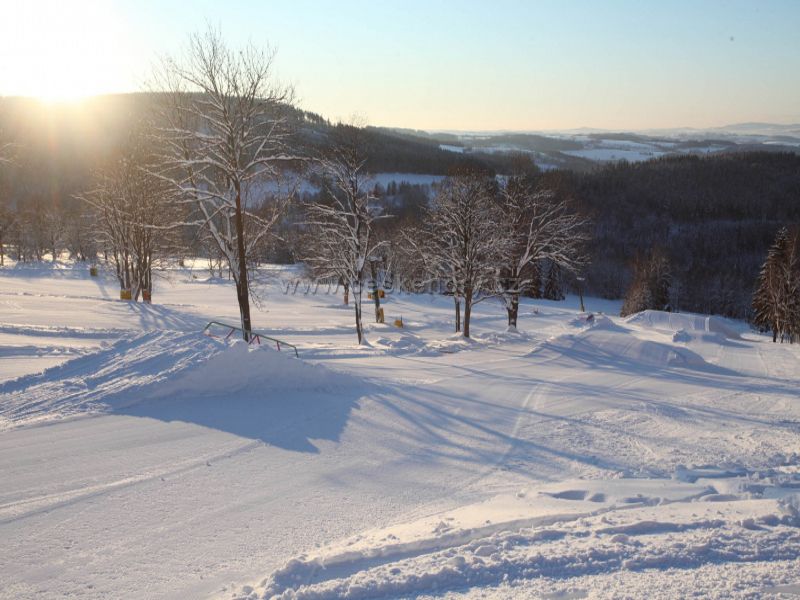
x=75, y=52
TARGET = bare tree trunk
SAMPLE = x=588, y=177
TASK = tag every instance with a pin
x=242, y=290
x=359, y=326
x=458, y=313
x=375, y=293
x=346, y=294
x=467, y=311
x=513, y=310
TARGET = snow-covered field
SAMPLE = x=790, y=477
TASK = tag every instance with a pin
x=615, y=153
x=653, y=457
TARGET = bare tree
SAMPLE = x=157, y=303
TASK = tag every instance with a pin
x=6, y=223
x=80, y=232
x=6, y=215
x=652, y=278
x=462, y=242
x=537, y=228
x=342, y=238
x=53, y=230
x=6, y=150
x=224, y=134
x=131, y=206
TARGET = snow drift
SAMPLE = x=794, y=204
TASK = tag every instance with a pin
x=555, y=531
x=153, y=366
x=685, y=322
x=605, y=342
x=235, y=367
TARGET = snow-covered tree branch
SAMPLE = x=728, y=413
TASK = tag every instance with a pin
x=537, y=228
x=130, y=204
x=461, y=242
x=224, y=135
x=341, y=237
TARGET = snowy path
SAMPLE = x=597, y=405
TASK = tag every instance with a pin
x=254, y=502
x=159, y=463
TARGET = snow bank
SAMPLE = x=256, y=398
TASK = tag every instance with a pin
x=685, y=323
x=408, y=343
x=235, y=367
x=603, y=341
x=152, y=366
x=563, y=530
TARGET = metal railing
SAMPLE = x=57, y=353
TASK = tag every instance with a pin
x=256, y=336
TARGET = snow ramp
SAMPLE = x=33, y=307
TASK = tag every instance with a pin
x=627, y=349
x=689, y=323
x=151, y=366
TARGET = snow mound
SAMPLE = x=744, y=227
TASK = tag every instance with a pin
x=450, y=345
x=237, y=367
x=100, y=381
x=150, y=366
x=405, y=343
x=684, y=324
x=564, y=530
x=607, y=342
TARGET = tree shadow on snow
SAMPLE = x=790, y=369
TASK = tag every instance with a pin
x=160, y=317
x=292, y=419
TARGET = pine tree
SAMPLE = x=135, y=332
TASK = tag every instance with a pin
x=552, y=286
x=791, y=291
x=766, y=299
x=534, y=289
x=776, y=302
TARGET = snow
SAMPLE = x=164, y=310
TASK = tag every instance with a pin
x=532, y=537
x=603, y=154
x=656, y=456
x=451, y=148
x=410, y=178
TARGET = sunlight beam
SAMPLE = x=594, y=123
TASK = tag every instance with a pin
x=76, y=51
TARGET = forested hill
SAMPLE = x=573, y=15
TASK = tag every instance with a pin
x=63, y=143
x=715, y=216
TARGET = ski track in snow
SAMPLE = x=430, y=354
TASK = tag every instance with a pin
x=558, y=547
x=110, y=378
x=152, y=461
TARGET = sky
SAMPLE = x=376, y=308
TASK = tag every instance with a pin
x=442, y=65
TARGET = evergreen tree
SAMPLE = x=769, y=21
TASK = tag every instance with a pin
x=534, y=289
x=552, y=286
x=776, y=302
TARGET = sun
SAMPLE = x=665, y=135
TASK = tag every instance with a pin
x=61, y=51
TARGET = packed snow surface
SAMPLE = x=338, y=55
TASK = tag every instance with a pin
x=656, y=456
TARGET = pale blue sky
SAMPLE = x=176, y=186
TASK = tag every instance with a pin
x=508, y=64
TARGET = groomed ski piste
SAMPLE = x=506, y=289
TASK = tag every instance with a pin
x=656, y=456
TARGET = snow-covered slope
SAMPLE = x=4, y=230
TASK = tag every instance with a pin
x=578, y=458
x=567, y=532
